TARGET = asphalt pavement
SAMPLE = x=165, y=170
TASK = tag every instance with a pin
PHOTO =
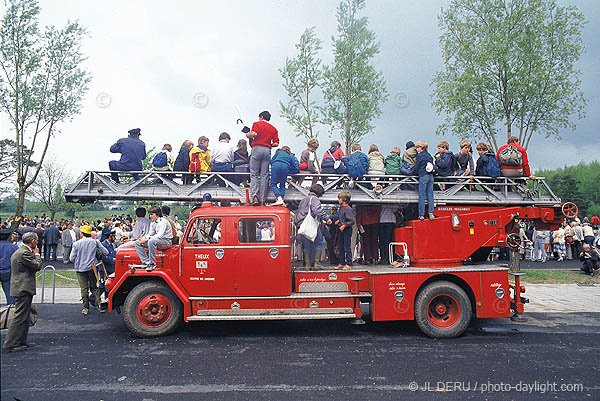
x=94, y=357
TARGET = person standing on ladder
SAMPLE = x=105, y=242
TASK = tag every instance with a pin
x=263, y=136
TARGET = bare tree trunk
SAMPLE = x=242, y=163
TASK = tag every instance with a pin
x=20, y=207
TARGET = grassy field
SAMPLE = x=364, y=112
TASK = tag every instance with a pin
x=559, y=277
x=64, y=278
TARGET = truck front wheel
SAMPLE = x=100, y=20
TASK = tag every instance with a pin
x=151, y=309
x=443, y=310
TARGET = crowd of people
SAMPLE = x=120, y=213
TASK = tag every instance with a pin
x=511, y=160
x=77, y=240
x=574, y=239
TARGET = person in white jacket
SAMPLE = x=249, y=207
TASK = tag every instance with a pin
x=159, y=237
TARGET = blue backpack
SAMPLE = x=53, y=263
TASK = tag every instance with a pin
x=355, y=166
x=160, y=160
x=492, y=167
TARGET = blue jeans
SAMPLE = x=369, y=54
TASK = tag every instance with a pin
x=345, y=246
x=425, y=190
x=278, y=178
x=222, y=168
x=312, y=247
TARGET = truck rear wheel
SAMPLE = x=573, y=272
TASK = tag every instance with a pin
x=151, y=309
x=443, y=310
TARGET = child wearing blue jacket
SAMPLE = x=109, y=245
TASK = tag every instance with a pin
x=358, y=162
x=283, y=163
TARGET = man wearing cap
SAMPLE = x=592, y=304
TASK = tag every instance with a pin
x=132, y=151
x=25, y=262
x=159, y=237
x=83, y=256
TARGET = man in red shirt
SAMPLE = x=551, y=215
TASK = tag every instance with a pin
x=263, y=137
x=510, y=165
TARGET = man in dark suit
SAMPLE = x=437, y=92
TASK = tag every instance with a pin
x=52, y=237
x=25, y=262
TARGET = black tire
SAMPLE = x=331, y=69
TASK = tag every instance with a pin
x=152, y=309
x=443, y=310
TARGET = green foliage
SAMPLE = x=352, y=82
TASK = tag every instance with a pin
x=42, y=84
x=509, y=63
x=302, y=75
x=353, y=89
x=147, y=162
x=578, y=184
x=8, y=159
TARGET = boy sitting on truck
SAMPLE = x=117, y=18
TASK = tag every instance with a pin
x=159, y=237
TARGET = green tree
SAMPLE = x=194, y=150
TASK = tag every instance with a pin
x=8, y=159
x=48, y=188
x=302, y=75
x=509, y=63
x=567, y=188
x=577, y=184
x=354, y=90
x=41, y=84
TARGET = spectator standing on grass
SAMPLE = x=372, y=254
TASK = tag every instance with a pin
x=68, y=239
x=558, y=238
x=588, y=234
x=52, y=238
x=539, y=246
x=577, y=237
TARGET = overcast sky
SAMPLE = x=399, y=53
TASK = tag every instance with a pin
x=177, y=71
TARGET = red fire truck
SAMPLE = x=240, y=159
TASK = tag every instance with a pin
x=224, y=268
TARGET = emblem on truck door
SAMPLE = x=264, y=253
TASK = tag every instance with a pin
x=399, y=295
x=273, y=253
x=219, y=253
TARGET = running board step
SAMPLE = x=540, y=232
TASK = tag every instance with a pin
x=310, y=316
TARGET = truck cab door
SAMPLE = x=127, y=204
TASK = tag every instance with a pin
x=262, y=257
x=206, y=264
